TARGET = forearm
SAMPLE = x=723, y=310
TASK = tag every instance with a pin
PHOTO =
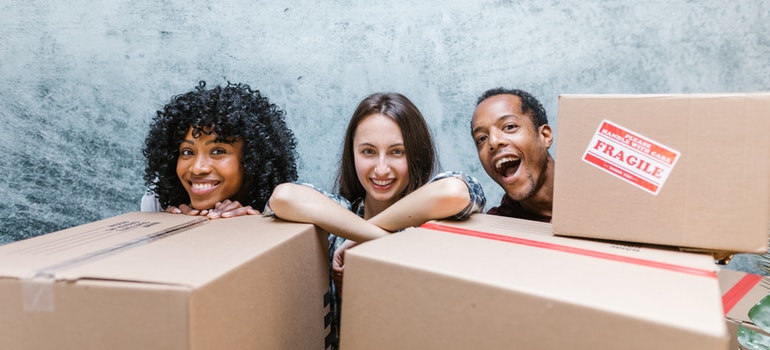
x=299, y=203
x=436, y=200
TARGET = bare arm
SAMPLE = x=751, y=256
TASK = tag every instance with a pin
x=299, y=203
x=436, y=200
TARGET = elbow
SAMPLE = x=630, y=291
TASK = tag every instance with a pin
x=454, y=195
x=282, y=197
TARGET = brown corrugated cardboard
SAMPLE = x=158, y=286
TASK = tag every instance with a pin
x=690, y=171
x=166, y=281
x=501, y=283
x=740, y=292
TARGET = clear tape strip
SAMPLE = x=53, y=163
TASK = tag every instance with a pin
x=37, y=292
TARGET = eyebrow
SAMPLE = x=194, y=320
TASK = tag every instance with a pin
x=371, y=145
x=192, y=142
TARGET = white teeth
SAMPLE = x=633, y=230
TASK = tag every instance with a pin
x=203, y=186
x=382, y=182
x=500, y=162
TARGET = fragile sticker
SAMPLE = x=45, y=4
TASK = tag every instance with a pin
x=630, y=156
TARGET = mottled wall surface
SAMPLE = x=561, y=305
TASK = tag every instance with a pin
x=81, y=79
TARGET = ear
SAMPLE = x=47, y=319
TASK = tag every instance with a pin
x=545, y=133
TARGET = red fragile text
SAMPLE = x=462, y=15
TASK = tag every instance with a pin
x=630, y=159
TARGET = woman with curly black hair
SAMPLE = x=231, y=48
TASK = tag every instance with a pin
x=217, y=152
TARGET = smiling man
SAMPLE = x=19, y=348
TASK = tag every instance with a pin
x=512, y=136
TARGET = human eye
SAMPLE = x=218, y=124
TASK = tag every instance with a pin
x=185, y=152
x=480, y=139
x=218, y=151
x=510, y=127
x=398, y=152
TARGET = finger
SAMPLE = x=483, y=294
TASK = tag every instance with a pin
x=186, y=209
x=174, y=210
x=213, y=214
x=234, y=212
x=223, y=204
x=229, y=206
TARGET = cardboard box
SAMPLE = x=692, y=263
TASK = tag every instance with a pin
x=690, y=171
x=741, y=291
x=501, y=283
x=165, y=281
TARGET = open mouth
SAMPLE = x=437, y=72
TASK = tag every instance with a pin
x=507, y=166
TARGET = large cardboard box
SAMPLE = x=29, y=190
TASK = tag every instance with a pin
x=165, y=281
x=690, y=171
x=501, y=283
x=741, y=291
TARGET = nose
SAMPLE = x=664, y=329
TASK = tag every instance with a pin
x=200, y=165
x=383, y=166
x=496, y=140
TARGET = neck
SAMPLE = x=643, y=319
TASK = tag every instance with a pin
x=373, y=207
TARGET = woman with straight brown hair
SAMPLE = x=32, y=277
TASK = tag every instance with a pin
x=384, y=182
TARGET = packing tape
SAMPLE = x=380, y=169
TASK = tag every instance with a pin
x=569, y=249
x=739, y=290
x=37, y=294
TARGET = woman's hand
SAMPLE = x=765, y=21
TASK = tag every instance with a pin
x=338, y=263
x=228, y=208
x=224, y=209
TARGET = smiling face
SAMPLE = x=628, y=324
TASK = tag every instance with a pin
x=511, y=149
x=210, y=171
x=380, y=159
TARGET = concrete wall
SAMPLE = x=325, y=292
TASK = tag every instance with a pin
x=81, y=79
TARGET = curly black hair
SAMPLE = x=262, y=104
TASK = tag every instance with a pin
x=235, y=112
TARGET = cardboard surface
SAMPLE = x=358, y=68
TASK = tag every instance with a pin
x=165, y=281
x=500, y=283
x=740, y=292
x=690, y=171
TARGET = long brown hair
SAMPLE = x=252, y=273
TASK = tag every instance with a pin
x=418, y=143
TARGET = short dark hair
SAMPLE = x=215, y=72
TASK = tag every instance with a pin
x=529, y=104
x=418, y=143
x=235, y=112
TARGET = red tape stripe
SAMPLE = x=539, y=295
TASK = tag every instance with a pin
x=739, y=290
x=568, y=249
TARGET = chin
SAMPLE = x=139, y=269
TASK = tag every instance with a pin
x=202, y=205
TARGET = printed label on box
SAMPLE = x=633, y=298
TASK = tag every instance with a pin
x=630, y=156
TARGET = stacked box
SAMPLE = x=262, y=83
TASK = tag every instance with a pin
x=166, y=281
x=690, y=171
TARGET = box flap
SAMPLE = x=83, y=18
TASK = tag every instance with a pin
x=642, y=254
x=199, y=255
x=47, y=254
x=147, y=247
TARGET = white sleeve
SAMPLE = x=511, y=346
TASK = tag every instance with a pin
x=150, y=202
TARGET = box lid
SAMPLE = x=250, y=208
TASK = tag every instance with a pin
x=147, y=247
